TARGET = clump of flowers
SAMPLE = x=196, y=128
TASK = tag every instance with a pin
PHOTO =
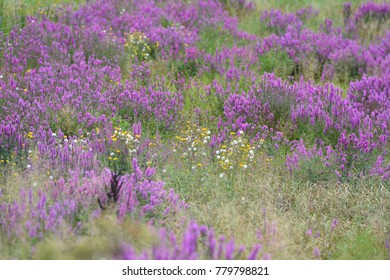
x=139, y=46
x=372, y=10
x=193, y=145
x=127, y=138
x=238, y=152
x=124, y=146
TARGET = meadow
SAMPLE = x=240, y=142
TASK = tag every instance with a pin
x=216, y=129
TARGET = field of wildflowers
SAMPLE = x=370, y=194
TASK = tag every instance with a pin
x=216, y=129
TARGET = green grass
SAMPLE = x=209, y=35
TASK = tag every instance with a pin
x=277, y=62
x=14, y=12
x=360, y=245
x=212, y=39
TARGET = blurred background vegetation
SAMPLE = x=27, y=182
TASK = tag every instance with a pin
x=14, y=12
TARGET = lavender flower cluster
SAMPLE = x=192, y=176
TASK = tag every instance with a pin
x=336, y=50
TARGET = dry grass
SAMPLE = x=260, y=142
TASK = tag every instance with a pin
x=283, y=210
